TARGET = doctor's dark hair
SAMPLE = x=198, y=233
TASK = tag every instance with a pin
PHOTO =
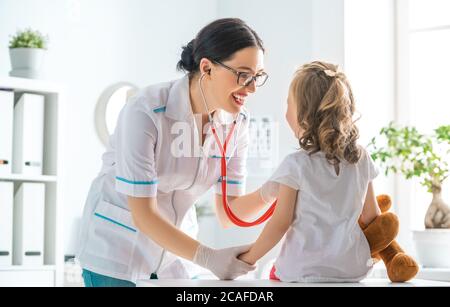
x=218, y=41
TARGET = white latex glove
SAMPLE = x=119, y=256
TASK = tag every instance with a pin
x=223, y=262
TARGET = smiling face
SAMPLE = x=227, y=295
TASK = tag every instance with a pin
x=223, y=89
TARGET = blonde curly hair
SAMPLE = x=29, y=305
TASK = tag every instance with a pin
x=325, y=109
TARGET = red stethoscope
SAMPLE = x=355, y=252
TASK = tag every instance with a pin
x=223, y=172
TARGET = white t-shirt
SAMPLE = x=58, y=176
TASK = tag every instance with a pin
x=324, y=242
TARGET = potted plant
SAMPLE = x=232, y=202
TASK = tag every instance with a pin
x=26, y=50
x=404, y=150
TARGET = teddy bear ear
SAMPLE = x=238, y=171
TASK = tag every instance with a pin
x=384, y=202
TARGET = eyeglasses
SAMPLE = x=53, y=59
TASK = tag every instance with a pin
x=245, y=78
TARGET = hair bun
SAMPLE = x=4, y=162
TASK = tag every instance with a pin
x=218, y=41
x=187, y=61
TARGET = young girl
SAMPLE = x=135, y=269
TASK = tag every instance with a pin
x=323, y=189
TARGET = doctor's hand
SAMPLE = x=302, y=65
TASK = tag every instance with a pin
x=223, y=262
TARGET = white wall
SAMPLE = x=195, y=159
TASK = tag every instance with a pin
x=369, y=61
x=286, y=29
x=92, y=45
x=328, y=31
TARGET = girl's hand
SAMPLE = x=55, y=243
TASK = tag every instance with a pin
x=246, y=257
x=223, y=262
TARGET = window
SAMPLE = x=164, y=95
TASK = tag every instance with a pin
x=427, y=48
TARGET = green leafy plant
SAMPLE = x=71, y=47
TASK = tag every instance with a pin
x=28, y=39
x=413, y=154
x=443, y=134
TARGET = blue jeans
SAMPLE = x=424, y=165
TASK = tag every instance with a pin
x=92, y=279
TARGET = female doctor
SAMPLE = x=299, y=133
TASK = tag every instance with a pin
x=148, y=184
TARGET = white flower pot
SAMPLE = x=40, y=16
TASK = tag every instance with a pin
x=433, y=247
x=26, y=62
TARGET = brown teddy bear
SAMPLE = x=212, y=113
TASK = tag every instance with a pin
x=380, y=234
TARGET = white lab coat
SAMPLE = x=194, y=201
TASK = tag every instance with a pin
x=143, y=160
x=324, y=242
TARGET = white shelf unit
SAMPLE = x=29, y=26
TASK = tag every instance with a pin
x=52, y=272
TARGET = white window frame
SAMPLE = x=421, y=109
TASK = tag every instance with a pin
x=403, y=111
x=402, y=115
